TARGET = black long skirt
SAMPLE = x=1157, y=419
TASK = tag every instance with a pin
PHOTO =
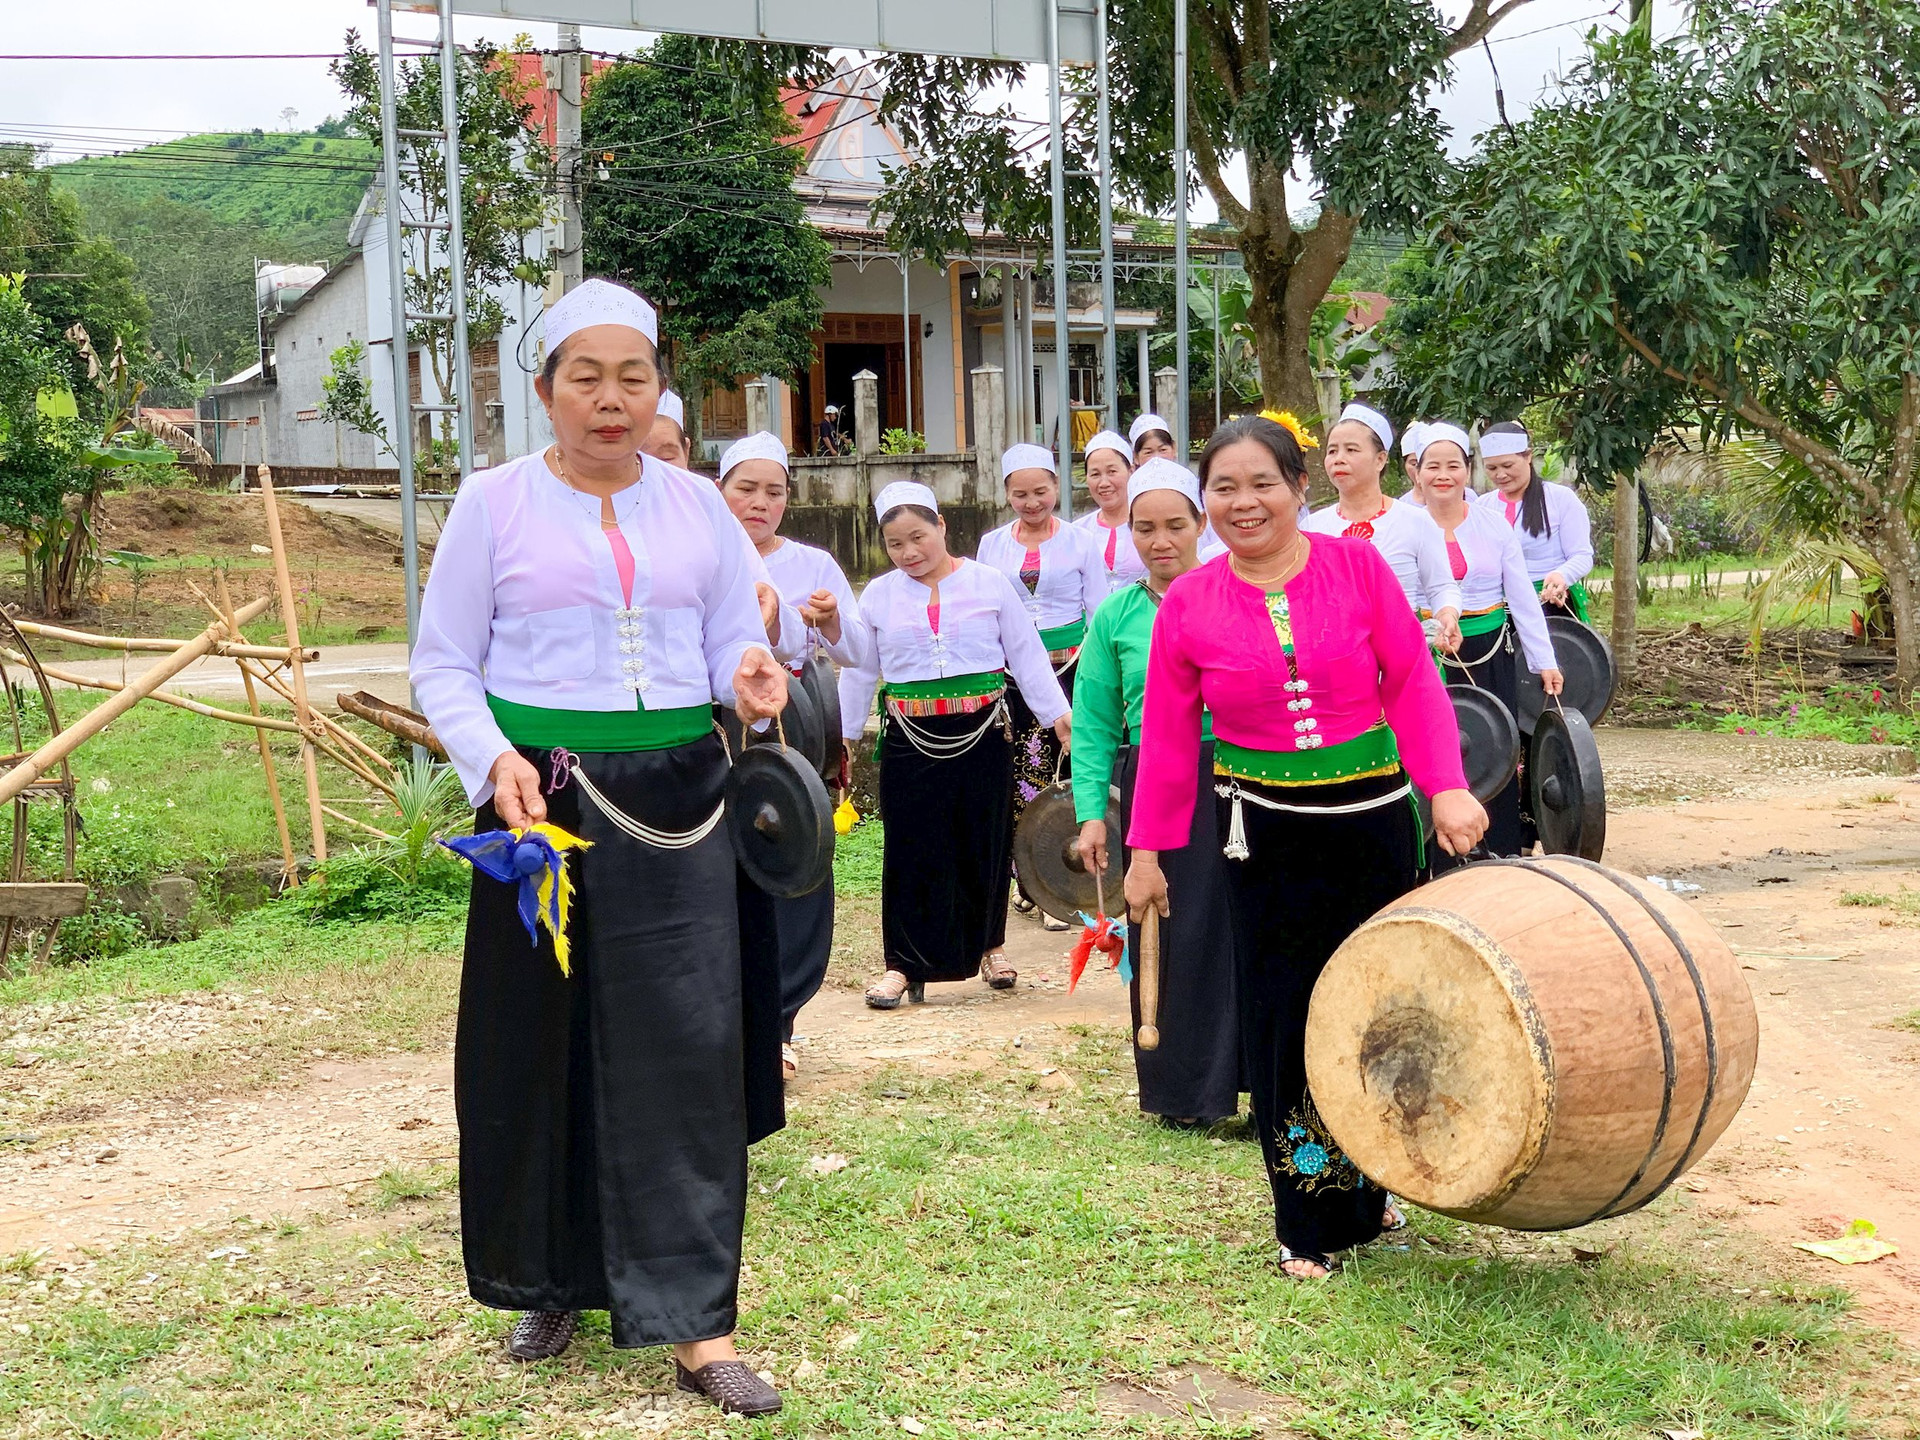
x=1307, y=883
x=804, y=924
x=947, y=867
x=605, y=1118
x=1489, y=661
x=1195, y=1074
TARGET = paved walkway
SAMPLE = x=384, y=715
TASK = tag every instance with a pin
x=379, y=668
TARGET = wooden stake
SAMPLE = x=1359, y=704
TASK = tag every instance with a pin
x=123, y=644
x=165, y=697
x=94, y=721
x=302, y=712
x=289, y=871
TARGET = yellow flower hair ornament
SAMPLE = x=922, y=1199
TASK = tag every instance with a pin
x=535, y=860
x=1289, y=422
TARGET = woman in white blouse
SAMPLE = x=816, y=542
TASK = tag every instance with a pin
x=1057, y=570
x=587, y=607
x=1359, y=449
x=1109, y=463
x=1556, y=533
x=1496, y=600
x=754, y=481
x=950, y=638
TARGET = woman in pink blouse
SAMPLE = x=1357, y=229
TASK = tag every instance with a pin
x=1326, y=711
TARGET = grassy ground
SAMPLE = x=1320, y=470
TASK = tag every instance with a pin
x=986, y=1263
x=1007, y=1252
x=162, y=791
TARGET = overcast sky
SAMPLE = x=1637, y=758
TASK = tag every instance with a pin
x=94, y=105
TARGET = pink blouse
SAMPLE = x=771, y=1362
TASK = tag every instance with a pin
x=1359, y=650
x=622, y=561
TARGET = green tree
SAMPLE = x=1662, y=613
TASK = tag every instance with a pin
x=697, y=211
x=1723, y=232
x=71, y=278
x=503, y=189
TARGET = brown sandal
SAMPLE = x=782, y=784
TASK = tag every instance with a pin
x=730, y=1384
x=541, y=1334
x=995, y=970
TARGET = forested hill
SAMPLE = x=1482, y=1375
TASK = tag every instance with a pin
x=293, y=186
x=194, y=214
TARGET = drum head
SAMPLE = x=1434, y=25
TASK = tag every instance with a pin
x=780, y=821
x=1489, y=740
x=1046, y=855
x=823, y=687
x=1569, y=793
x=1586, y=660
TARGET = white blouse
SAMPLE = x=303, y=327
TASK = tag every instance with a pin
x=797, y=571
x=984, y=626
x=1120, y=558
x=1073, y=577
x=1411, y=543
x=1567, y=545
x=1496, y=572
x=524, y=602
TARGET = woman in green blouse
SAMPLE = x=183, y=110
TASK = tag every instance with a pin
x=1194, y=1075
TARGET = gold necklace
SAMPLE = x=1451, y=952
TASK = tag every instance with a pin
x=560, y=464
x=1284, y=572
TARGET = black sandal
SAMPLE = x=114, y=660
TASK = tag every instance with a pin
x=1302, y=1257
x=732, y=1385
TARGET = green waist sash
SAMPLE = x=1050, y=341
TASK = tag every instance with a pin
x=1372, y=752
x=1484, y=624
x=1065, y=637
x=1579, y=600
x=607, y=732
x=948, y=687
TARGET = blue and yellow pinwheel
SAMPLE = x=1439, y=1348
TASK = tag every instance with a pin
x=534, y=859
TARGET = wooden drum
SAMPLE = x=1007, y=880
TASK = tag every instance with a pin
x=1531, y=1043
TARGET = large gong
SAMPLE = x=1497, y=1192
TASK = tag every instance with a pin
x=1489, y=740
x=1046, y=854
x=780, y=821
x=1586, y=660
x=1569, y=794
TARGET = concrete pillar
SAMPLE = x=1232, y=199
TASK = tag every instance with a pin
x=1327, y=383
x=1166, y=397
x=759, y=406
x=1009, y=351
x=989, y=427
x=866, y=413
x=1146, y=370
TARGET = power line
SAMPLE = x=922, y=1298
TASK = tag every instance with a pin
x=317, y=55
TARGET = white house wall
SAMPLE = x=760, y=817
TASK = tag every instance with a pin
x=525, y=427
x=876, y=291
x=327, y=317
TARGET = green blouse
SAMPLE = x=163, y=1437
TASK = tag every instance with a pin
x=1108, y=688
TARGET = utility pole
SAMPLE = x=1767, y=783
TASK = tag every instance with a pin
x=566, y=135
x=1181, y=446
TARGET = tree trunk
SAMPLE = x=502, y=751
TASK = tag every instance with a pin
x=1894, y=546
x=1626, y=577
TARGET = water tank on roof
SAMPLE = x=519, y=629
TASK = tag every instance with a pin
x=275, y=287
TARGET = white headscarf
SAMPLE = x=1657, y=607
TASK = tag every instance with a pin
x=1444, y=431
x=1160, y=473
x=672, y=408
x=761, y=445
x=1110, y=440
x=1504, y=442
x=1372, y=419
x=1143, y=423
x=597, y=302
x=1027, y=457
x=1411, y=439
x=904, y=492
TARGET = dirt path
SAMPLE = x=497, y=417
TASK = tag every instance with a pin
x=1830, y=1132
